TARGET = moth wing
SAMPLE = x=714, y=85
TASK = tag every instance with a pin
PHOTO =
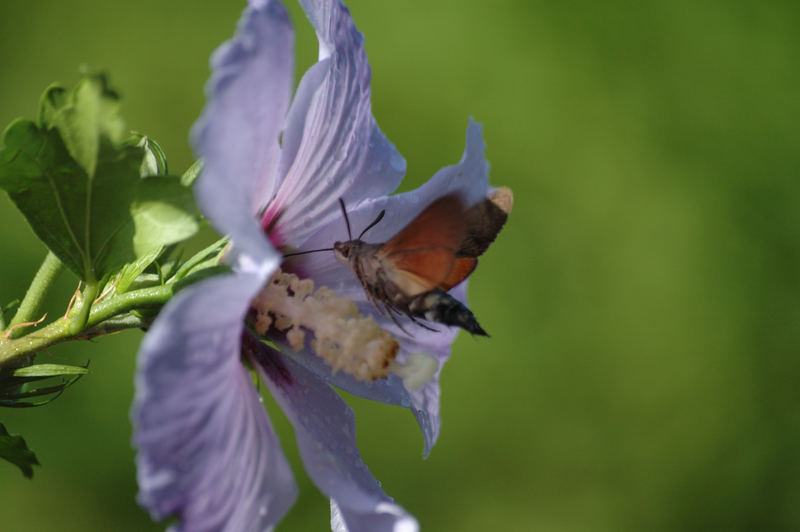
x=422, y=254
x=484, y=221
x=462, y=267
x=418, y=271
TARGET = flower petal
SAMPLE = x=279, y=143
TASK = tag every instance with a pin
x=385, y=519
x=325, y=432
x=332, y=146
x=238, y=133
x=206, y=449
x=423, y=402
x=470, y=178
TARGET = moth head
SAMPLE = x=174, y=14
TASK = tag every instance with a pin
x=341, y=250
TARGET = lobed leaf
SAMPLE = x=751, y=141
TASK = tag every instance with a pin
x=14, y=449
x=97, y=201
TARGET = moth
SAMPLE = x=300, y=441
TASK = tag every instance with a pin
x=411, y=273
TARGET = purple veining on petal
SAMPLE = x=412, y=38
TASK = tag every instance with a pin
x=237, y=135
x=325, y=432
x=206, y=449
x=332, y=146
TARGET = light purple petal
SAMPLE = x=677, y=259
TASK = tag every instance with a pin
x=470, y=178
x=385, y=519
x=332, y=146
x=423, y=402
x=389, y=391
x=325, y=432
x=206, y=449
x=238, y=134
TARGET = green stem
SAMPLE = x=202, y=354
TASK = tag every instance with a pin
x=145, y=298
x=61, y=329
x=48, y=271
x=89, y=295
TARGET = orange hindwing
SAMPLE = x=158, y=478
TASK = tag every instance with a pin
x=422, y=255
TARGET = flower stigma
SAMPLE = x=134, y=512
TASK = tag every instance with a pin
x=341, y=336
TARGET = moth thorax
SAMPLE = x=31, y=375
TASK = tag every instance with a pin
x=343, y=338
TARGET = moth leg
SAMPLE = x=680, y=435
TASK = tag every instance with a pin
x=391, y=311
x=420, y=324
x=380, y=307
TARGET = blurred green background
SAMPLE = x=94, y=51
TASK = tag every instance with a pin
x=643, y=301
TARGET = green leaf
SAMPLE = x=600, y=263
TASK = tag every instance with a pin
x=164, y=270
x=155, y=160
x=5, y=310
x=199, y=274
x=14, y=449
x=88, y=195
x=42, y=371
x=132, y=271
x=205, y=258
x=189, y=176
x=85, y=117
x=21, y=383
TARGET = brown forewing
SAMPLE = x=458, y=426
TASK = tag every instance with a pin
x=482, y=223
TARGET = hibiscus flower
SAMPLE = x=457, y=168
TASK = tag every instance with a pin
x=272, y=179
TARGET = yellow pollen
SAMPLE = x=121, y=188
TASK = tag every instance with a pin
x=341, y=336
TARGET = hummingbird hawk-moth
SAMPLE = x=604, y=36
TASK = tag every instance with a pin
x=411, y=273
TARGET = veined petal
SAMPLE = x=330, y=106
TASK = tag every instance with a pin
x=238, y=133
x=325, y=432
x=390, y=390
x=470, y=178
x=332, y=146
x=422, y=402
x=206, y=449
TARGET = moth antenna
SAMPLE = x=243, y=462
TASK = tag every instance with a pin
x=346, y=220
x=305, y=252
x=373, y=224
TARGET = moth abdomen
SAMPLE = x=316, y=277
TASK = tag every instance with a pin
x=439, y=306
